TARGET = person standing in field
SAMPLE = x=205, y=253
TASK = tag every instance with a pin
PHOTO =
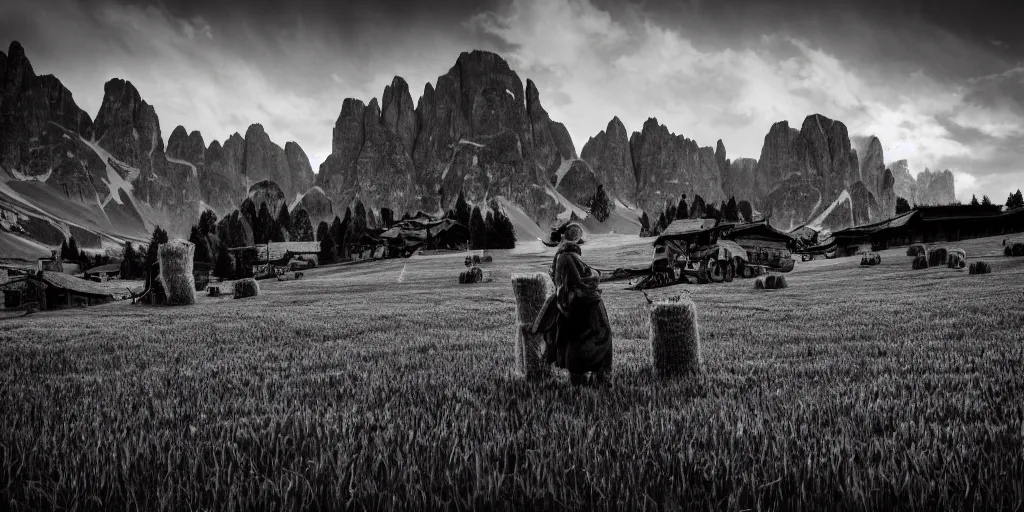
x=574, y=320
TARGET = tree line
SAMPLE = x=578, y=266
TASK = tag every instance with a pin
x=729, y=211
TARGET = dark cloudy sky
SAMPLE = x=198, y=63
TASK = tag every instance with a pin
x=941, y=83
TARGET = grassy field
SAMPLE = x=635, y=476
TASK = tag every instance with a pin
x=387, y=385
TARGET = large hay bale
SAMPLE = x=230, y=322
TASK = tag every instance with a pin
x=956, y=258
x=487, y=259
x=759, y=283
x=531, y=291
x=917, y=250
x=980, y=267
x=473, y=275
x=780, y=282
x=469, y=261
x=1018, y=249
x=1008, y=250
x=246, y=288
x=176, y=272
x=920, y=263
x=937, y=257
x=476, y=259
x=675, y=338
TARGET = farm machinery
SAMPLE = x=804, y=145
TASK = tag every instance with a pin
x=709, y=251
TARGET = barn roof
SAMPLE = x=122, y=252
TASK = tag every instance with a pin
x=105, y=269
x=898, y=221
x=685, y=227
x=75, y=284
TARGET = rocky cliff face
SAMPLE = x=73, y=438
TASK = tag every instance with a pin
x=740, y=179
x=887, y=195
x=872, y=162
x=818, y=157
x=41, y=131
x=935, y=188
x=579, y=183
x=669, y=165
x=929, y=188
x=904, y=184
x=477, y=132
x=317, y=205
x=268, y=192
x=609, y=156
x=551, y=139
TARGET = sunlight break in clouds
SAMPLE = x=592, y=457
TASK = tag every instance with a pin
x=635, y=68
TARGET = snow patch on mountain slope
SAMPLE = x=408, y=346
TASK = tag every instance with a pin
x=114, y=181
x=816, y=223
x=195, y=173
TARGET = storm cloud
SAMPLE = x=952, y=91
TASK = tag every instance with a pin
x=940, y=83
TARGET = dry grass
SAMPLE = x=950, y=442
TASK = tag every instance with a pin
x=850, y=390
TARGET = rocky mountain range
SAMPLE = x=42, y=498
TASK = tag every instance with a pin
x=479, y=130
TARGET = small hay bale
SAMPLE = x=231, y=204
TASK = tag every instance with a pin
x=478, y=274
x=937, y=257
x=871, y=259
x=176, y=272
x=476, y=259
x=769, y=281
x=487, y=259
x=298, y=275
x=247, y=287
x=917, y=250
x=956, y=259
x=462, y=277
x=469, y=261
x=675, y=338
x=1008, y=251
x=1018, y=249
x=920, y=263
x=980, y=267
x=213, y=291
x=780, y=282
x=759, y=283
x=531, y=291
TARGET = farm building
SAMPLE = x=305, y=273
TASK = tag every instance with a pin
x=406, y=236
x=50, y=264
x=55, y=290
x=930, y=224
x=104, y=273
x=264, y=258
x=763, y=244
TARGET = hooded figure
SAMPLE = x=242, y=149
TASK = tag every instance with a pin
x=574, y=320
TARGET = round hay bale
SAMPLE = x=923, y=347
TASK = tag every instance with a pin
x=477, y=273
x=920, y=263
x=213, y=291
x=469, y=261
x=1018, y=249
x=531, y=292
x=769, y=281
x=487, y=259
x=246, y=288
x=476, y=258
x=871, y=259
x=675, y=338
x=917, y=250
x=780, y=282
x=1008, y=251
x=937, y=257
x=176, y=272
x=759, y=283
x=980, y=267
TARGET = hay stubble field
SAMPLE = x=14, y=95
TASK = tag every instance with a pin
x=855, y=388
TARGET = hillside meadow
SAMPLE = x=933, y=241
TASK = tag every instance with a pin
x=387, y=386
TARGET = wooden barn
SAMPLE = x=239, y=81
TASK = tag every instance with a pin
x=931, y=224
x=55, y=290
x=263, y=259
x=103, y=273
x=406, y=236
